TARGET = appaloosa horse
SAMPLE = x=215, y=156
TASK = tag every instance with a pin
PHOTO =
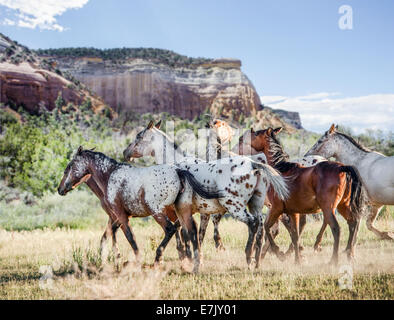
x=242, y=181
x=375, y=169
x=326, y=186
x=126, y=191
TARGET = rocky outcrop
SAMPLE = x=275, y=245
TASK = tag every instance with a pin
x=24, y=81
x=30, y=87
x=141, y=85
x=290, y=117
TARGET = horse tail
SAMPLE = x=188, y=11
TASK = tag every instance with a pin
x=197, y=186
x=275, y=180
x=357, y=196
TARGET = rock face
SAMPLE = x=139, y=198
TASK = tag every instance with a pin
x=24, y=85
x=290, y=117
x=25, y=81
x=140, y=85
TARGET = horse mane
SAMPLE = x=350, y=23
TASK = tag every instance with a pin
x=279, y=158
x=354, y=142
x=101, y=155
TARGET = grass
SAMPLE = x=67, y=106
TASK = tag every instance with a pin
x=78, y=210
x=78, y=273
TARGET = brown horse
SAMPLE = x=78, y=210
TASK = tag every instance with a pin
x=326, y=187
x=125, y=191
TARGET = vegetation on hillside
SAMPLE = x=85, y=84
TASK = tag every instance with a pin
x=167, y=57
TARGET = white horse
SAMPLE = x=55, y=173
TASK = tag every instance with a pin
x=242, y=182
x=375, y=169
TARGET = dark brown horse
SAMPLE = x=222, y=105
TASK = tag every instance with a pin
x=125, y=191
x=326, y=187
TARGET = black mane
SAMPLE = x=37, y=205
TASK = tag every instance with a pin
x=101, y=155
x=354, y=142
x=279, y=158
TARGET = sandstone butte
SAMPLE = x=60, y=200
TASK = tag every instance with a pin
x=144, y=86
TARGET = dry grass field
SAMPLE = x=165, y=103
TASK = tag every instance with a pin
x=27, y=258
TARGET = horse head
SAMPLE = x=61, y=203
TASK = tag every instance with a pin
x=223, y=130
x=76, y=172
x=260, y=140
x=326, y=146
x=142, y=144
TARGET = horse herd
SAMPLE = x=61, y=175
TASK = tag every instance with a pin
x=240, y=181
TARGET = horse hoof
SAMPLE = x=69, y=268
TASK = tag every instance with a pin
x=317, y=248
x=220, y=248
x=301, y=248
x=196, y=270
x=387, y=236
x=281, y=256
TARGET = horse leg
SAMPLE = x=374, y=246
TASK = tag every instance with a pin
x=104, y=241
x=353, y=224
x=186, y=241
x=180, y=245
x=295, y=226
x=184, y=213
x=271, y=219
x=204, y=219
x=331, y=220
x=287, y=222
x=245, y=217
x=319, y=237
x=125, y=226
x=302, y=227
x=216, y=236
x=267, y=245
x=255, y=205
x=370, y=221
x=169, y=230
x=115, y=249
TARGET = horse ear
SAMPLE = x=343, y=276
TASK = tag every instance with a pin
x=80, y=149
x=332, y=129
x=252, y=130
x=150, y=125
x=277, y=130
x=269, y=131
x=157, y=125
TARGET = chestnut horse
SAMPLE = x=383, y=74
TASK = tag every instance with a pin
x=375, y=169
x=126, y=191
x=326, y=186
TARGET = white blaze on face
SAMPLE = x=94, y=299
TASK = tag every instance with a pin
x=68, y=178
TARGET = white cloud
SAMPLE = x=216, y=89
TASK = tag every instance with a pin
x=38, y=13
x=319, y=110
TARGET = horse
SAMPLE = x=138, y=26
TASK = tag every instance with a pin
x=225, y=133
x=242, y=181
x=375, y=169
x=326, y=186
x=126, y=191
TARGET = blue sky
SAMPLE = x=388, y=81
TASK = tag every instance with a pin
x=293, y=50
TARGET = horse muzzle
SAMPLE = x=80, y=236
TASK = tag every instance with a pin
x=62, y=190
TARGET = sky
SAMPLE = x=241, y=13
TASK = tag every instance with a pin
x=294, y=52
